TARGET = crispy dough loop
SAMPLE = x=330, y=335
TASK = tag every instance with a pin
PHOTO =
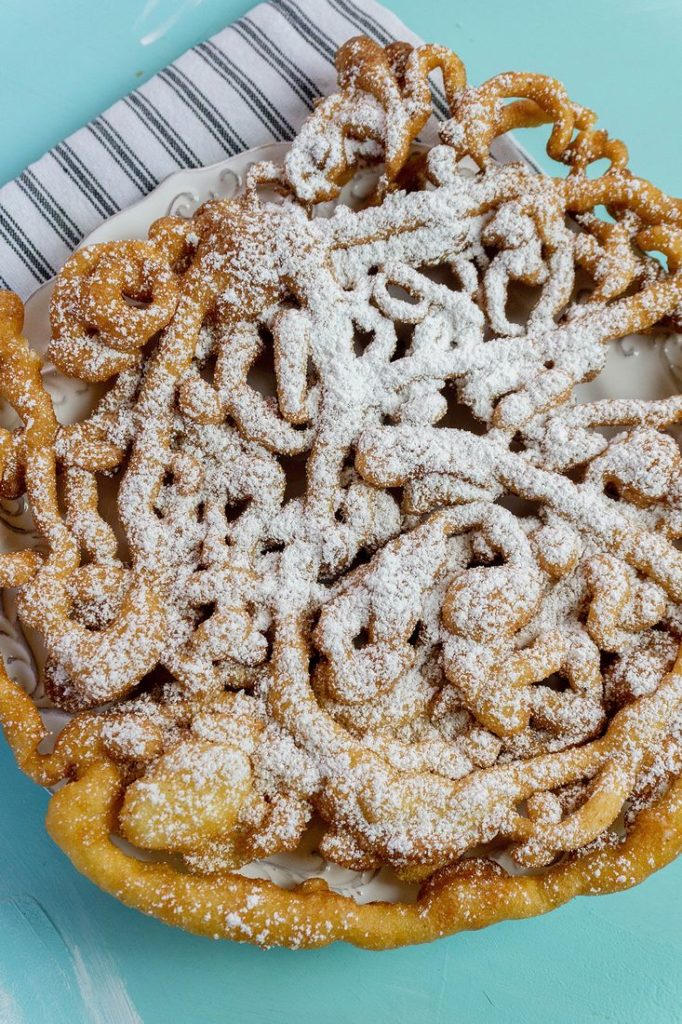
x=87, y=658
x=108, y=302
x=384, y=103
x=479, y=115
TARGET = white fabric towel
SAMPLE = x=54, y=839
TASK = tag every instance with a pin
x=252, y=83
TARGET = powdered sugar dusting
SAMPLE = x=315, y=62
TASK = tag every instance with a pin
x=374, y=566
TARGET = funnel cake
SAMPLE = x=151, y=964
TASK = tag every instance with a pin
x=415, y=590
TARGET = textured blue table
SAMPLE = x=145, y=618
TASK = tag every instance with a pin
x=70, y=954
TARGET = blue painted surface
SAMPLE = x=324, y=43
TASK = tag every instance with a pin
x=71, y=954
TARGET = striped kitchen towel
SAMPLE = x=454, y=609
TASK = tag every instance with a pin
x=254, y=82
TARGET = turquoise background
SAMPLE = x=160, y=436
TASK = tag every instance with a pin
x=69, y=953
